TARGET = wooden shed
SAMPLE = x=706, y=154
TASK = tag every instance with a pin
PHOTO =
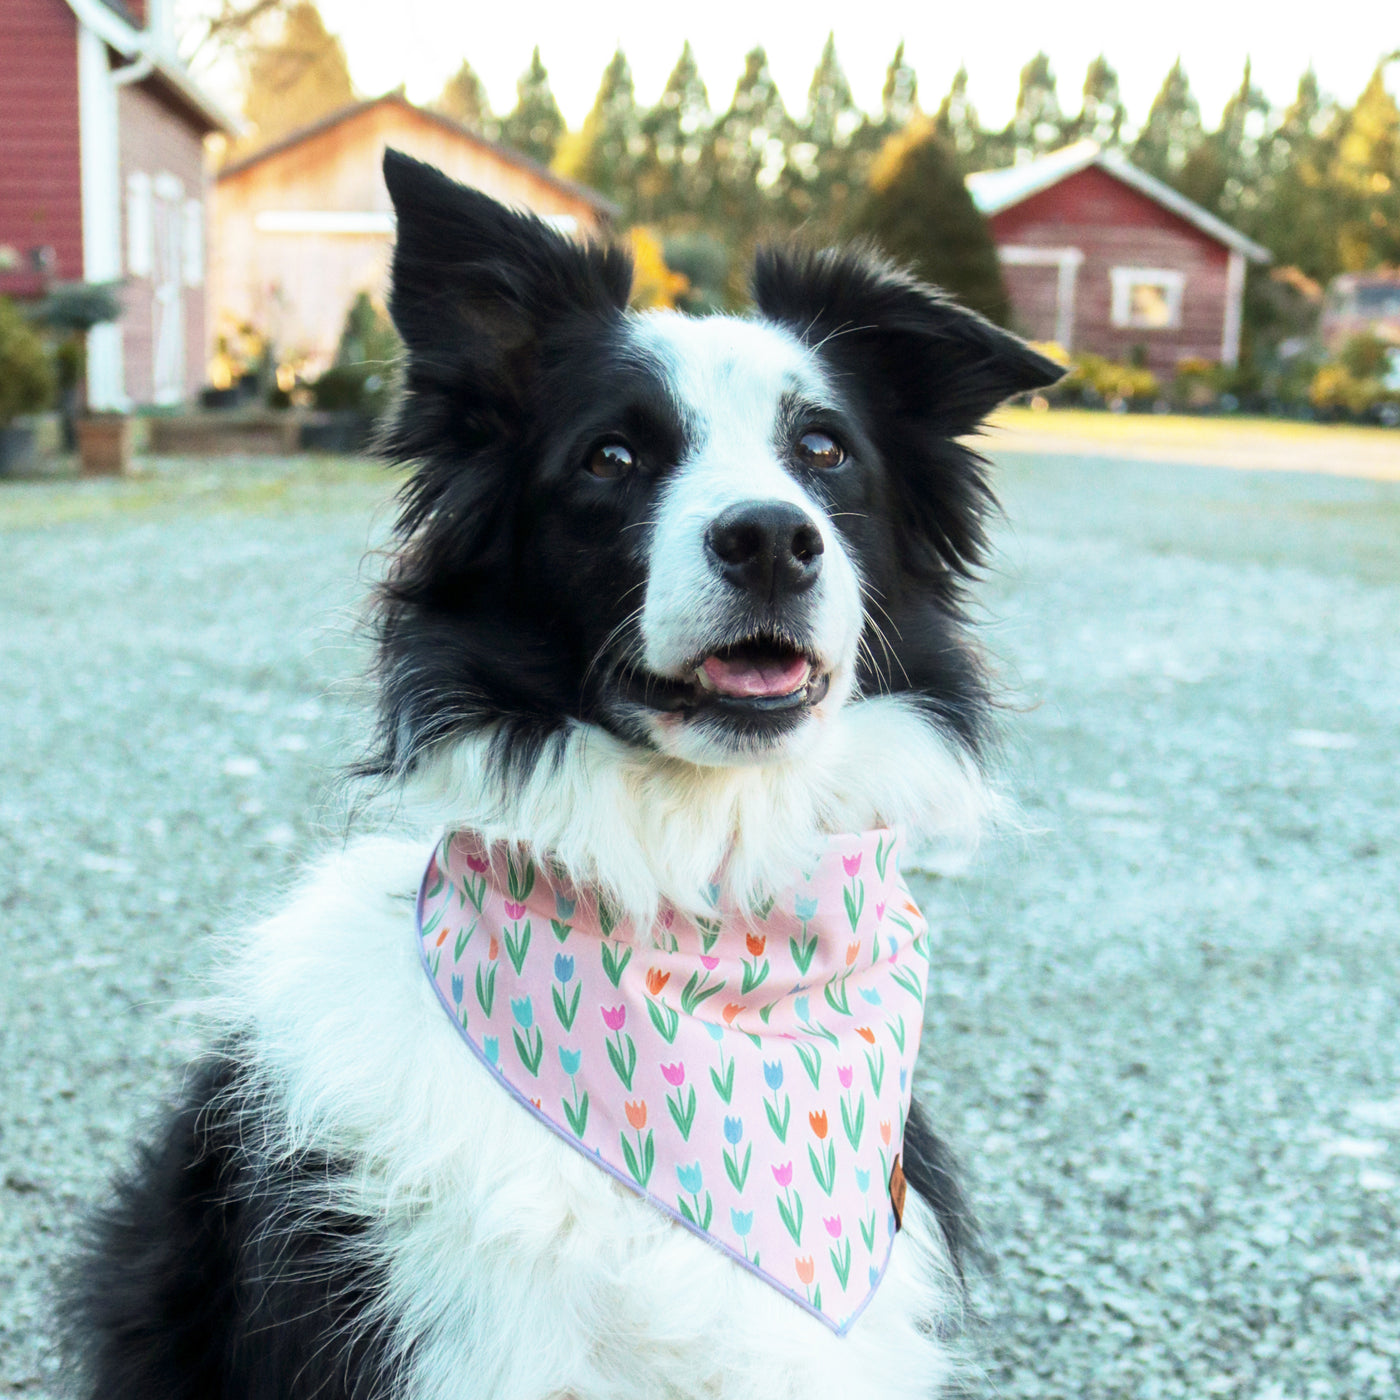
x=102, y=179
x=1100, y=256
x=304, y=225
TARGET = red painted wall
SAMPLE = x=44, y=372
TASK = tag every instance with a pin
x=156, y=139
x=40, y=180
x=1115, y=225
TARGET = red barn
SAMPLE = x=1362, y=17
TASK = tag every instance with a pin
x=1102, y=257
x=102, y=178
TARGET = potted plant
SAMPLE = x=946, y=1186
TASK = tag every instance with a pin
x=72, y=309
x=26, y=385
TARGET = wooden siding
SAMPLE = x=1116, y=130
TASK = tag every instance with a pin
x=40, y=183
x=156, y=140
x=1115, y=226
x=297, y=287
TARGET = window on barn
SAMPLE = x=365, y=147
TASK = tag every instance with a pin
x=1146, y=298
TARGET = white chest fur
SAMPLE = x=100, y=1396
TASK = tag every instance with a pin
x=518, y=1271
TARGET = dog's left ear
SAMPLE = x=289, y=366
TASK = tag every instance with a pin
x=909, y=344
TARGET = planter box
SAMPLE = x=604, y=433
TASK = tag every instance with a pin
x=247, y=432
x=105, y=444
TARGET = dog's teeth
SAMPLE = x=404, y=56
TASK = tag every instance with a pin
x=703, y=681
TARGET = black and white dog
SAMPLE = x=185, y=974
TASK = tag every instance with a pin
x=671, y=596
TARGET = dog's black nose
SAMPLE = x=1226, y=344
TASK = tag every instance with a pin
x=768, y=548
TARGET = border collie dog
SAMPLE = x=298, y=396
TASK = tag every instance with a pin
x=673, y=603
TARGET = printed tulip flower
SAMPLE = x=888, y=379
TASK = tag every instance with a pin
x=674, y=1075
x=818, y=1122
x=755, y=944
x=524, y=1012
x=513, y=910
x=773, y=1074
x=491, y=1048
x=614, y=1018
x=851, y=864
x=656, y=980
x=783, y=1174
x=843, y=1073
x=569, y=1060
x=691, y=1178
x=806, y=909
x=708, y=963
x=742, y=1221
x=457, y=988
x=563, y=908
x=885, y=1131
x=493, y=951
x=479, y=864
x=806, y=1269
x=852, y=953
x=730, y=1012
x=866, y=1034
x=833, y=1226
x=563, y=967
x=863, y=1179
x=636, y=1113
x=733, y=1131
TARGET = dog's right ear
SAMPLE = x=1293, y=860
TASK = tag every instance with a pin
x=475, y=285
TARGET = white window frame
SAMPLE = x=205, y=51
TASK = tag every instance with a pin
x=140, y=232
x=1066, y=262
x=1171, y=280
x=192, y=243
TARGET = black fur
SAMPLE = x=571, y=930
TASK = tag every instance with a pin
x=218, y=1272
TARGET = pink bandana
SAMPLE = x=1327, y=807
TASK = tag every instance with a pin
x=749, y=1076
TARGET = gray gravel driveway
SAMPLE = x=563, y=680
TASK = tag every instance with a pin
x=1164, y=1033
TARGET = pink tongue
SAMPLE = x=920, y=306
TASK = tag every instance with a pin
x=748, y=678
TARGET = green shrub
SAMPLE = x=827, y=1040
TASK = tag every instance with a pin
x=26, y=376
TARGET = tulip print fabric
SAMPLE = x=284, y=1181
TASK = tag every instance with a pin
x=750, y=1075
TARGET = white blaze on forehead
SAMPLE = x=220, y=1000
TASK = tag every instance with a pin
x=729, y=380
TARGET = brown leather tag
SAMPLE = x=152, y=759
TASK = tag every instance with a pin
x=898, y=1189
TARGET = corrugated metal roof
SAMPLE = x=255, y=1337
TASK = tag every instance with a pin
x=995, y=190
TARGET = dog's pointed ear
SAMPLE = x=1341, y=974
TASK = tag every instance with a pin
x=475, y=284
x=926, y=355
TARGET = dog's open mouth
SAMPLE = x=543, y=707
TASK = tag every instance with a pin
x=759, y=675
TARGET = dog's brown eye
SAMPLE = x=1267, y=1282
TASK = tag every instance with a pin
x=611, y=460
x=818, y=450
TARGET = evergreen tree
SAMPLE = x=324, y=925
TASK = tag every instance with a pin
x=899, y=99
x=609, y=147
x=463, y=98
x=821, y=174
x=956, y=123
x=674, y=178
x=1224, y=171
x=1294, y=217
x=1037, y=126
x=295, y=79
x=1367, y=178
x=918, y=210
x=535, y=126
x=1101, y=113
x=1172, y=130
x=749, y=151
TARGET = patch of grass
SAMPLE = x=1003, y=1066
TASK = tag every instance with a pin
x=204, y=486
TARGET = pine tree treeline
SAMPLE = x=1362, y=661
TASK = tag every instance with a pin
x=1316, y=182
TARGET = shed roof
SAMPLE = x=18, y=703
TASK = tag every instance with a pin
x=505, y=153
x=995, y=190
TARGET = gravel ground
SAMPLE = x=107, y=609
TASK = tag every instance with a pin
x=1164, y=1031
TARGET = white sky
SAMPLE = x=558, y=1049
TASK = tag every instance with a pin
x=420, y=42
